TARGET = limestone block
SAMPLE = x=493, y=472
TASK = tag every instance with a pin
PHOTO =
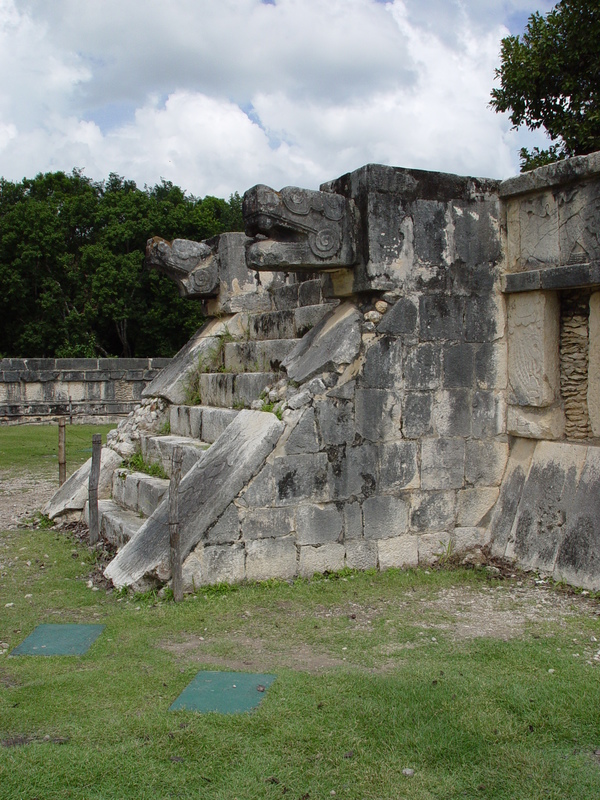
x=317, y=524
x=336, y=421
x=206, y=491
x=354, y=471
x=223, y=563
x=442, y=463
x=398, y=467
x=401, y=551
x=271, y=558
x=150, y=492
x=465, y=539
x=385, y=516
x=301, y=477
x=534, y=423
x=539, y=231
x=325, y=558
x=505, y=509
x=485, y=462
x=260, y=491
x=452, y=412
x=488, y=418
x=192, y=572
x=417, y=415
x=76, y=391
x=226, y=529
x=432, y=511
x=459, y=365
x=74, y=492
x=593, y=395
x=34, y=392
x=440, y=317
x=401, y=318
x=332, y=343
x=422, y=367
x=578, y=557
x=378, y=414
x=513, y=235
x=267, y=523
x=546, y=499
x=533, y=348
x=353, y=521
x=214, y=421
x=303, y=438
x=361, y=554
x=383, y=364
x=473, y=505
x=578, y=230
x=433, y=546
x=491, y=365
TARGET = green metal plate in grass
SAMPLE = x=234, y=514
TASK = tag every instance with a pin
x=223, y=692
x=59, y=640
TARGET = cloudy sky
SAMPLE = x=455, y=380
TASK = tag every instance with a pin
x=217, y=95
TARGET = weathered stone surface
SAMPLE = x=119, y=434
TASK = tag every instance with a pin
x=215, y=421
x=504, y=512
x=159, y=450
x=336, y=421
x=385, y=517
x=74, y=492
x=401, y=318
x=488, y=418
x=452, y=413
x=307, y=230
x=578, y=556
x=303, y=438
x=206, y=491
x=354, y=471
x=300, y=477
x=271, y=558
x=324, y=558
x=226, y=529
x=267, y=523
x=546, y=498
x=186, y=421
x=442, y=463
x=353, y=521
x=361, y=554
x=317, y=524
x=150, y=493
x=398, y=467
x=378, y=414
x=474, y=505
x=533, y=342
x=465, y=539
x=432, y=511
x=332, y=343
x=534, y=423
x=441, y=317
x=223, y=563
x=417, y=415
x=402, y=551
x=485, y=462
x=383, y=364
x=422, y=367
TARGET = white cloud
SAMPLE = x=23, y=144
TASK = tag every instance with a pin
x=152, y=89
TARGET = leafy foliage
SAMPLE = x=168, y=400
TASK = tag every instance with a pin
x=72, y=276
x=550, y=78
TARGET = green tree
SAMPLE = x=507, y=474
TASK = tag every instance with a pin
x=72, y=274
x=550, y=78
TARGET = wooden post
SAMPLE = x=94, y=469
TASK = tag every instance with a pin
x=62, y=456
x=93, y=488
x=175, y=541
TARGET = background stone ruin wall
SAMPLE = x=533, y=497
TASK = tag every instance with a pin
x=88, y=389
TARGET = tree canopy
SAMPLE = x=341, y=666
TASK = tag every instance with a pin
x=550, y=78
x=72, y=276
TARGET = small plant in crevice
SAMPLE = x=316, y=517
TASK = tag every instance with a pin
x=137, y=464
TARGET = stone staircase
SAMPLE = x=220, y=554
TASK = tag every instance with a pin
x=240, y=372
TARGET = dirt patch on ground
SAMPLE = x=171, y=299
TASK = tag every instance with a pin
x=21, y=496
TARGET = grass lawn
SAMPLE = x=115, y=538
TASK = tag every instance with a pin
x=486, y=688
x=35, y=447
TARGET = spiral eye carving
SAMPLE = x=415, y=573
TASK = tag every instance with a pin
x=325, y=242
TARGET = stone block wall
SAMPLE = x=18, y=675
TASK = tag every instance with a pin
x=104, y=389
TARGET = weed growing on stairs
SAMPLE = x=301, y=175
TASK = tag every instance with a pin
x=137, y=464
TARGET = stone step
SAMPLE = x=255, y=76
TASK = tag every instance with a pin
x=303, y=293
x=234, y=390
x=159, y=450
x=117, y=525
x=288, y=324
x=137, y=491
x=200, y=422
x=258, y=356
